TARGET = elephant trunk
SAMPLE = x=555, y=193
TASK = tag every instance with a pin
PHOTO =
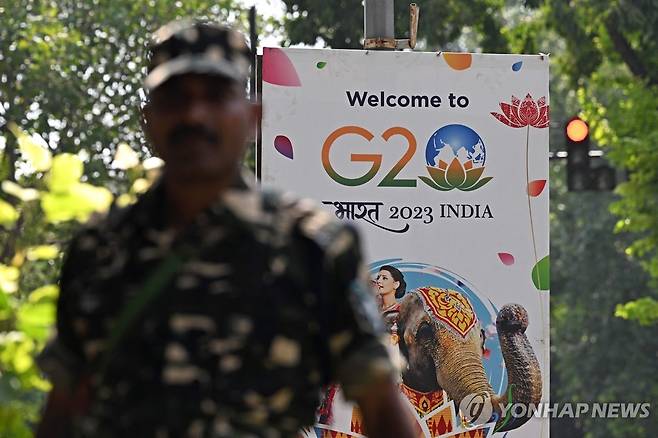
x=460, y=371
x=524, y=374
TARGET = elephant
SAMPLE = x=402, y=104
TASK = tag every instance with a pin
x=442, y=341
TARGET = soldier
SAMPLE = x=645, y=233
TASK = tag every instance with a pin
x=209, y=308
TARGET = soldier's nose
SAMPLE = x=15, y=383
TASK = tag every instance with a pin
x=195, y=112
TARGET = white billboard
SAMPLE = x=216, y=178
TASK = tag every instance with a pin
x=441, y=159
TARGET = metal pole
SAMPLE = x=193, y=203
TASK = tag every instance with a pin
x=379, y=18
x=254, y=93
x=379, y=24
x=253, y=36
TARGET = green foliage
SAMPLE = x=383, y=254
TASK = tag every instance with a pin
x=33, y=149
x=27, y=292
x=42, y=252
x=27, y=315
x=618, y=94
x=71, y=71
x=623, y=117
x=598, y=75
x=339, y=24
x=596, y=356
x=644, y=310
x=8, y=214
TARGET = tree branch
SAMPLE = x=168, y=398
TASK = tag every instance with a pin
x=9, y=249
x=626, y=51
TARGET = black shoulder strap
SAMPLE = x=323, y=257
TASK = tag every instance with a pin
x=152, y=287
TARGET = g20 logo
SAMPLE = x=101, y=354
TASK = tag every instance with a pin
x=455, y=156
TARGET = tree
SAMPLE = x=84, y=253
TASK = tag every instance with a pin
x=592, y=269
x=595, y=356
x=71, y=71
x=339, y=24
x=614, y=63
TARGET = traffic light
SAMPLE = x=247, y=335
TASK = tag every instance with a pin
x=578, y=163
x=581, y=174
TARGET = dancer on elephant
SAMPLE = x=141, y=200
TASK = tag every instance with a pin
x=390, y=289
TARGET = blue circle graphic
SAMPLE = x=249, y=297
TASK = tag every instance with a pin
x=458, y=141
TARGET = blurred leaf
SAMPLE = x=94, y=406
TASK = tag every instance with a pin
x=61, y=207
x=18, y=259
x=5, y=306
x=66, y=172
x=8, y=214
x=44, y=293
x=98, y=199
x=125, y=200
x=22, y=359
x=15, y=351
x=140, y=186
x=35, y=319
x=125, y=157
x=40, y=383
x=77, y=204
x=643, y=310
x=19, y=192
x=152, y=163
x=34, y=149
x=9, y=278
x=42, y=252
x=12, y=418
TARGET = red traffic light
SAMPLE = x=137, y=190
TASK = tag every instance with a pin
x=577, y=130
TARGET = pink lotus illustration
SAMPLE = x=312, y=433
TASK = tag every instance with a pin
x=456, y=176
x=524, y=113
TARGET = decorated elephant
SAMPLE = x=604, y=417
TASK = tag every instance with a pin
x=441, y=338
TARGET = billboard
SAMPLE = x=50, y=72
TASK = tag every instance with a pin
x=441, y=160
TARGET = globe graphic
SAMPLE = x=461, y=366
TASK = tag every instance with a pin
x=458, y=141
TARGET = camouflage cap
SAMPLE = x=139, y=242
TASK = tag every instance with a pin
x=181, y=47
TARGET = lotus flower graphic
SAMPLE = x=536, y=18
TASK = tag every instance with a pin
x=455, y=157
x=524, y=113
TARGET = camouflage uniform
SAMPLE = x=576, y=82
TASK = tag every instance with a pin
x=272, y=304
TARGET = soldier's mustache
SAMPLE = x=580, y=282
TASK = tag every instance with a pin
x=183, y=133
